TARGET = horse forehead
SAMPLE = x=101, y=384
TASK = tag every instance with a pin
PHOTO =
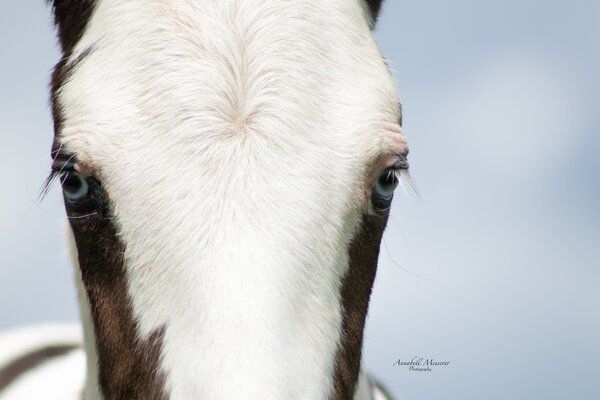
x=183, y=79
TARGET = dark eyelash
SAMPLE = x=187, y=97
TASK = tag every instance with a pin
x=60, y=164
x=47, y=185
x=401, y=164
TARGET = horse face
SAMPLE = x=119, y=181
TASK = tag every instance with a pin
x=227, y=170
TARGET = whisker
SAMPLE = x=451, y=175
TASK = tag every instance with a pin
x=402, y=235
x=83, y=216
x=405, y=179
x=416, y=275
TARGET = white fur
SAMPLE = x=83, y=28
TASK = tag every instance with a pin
x=235, y=139
x=21, y=341
x=59, y=378
x=363, y=388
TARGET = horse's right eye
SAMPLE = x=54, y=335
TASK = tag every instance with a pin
x=386, y=184
x=75, y=187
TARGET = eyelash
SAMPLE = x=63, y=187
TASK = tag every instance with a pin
x=395, y=175
x=61, y=164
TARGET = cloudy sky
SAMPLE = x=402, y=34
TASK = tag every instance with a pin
x=494, y=268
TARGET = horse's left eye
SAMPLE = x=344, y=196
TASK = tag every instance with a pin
x=75, y=187
x=386, y=184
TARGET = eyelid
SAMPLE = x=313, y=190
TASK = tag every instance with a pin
x=397, y=162
x=63, y=163
x=401, y=163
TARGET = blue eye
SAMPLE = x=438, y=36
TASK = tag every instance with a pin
x=386, y=185
x=75, y=187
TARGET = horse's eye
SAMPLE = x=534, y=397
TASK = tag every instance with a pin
x=75, y=187
x=386, y=184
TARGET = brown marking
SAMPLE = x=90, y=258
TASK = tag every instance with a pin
x=374, y=8
x=71, y=18
x=356, y=292
x=29, y=361
x=128, y=367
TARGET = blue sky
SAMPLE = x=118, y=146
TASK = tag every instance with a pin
x=501, y=112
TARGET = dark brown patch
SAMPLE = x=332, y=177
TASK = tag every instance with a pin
x=128, y=366
x=374, y=8
x=29, y=361
x=71, y=18
x=356, y=292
